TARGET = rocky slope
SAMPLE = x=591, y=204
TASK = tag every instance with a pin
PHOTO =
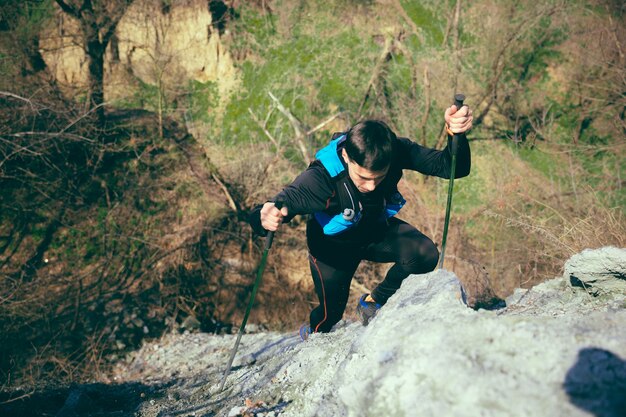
x=557, y=349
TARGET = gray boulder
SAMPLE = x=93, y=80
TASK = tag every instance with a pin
x=599, y=271
x=554, y=350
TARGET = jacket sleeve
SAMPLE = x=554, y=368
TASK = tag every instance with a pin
x=430, y=161
x=309, y=193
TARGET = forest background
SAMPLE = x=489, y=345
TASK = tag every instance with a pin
x=135, y=137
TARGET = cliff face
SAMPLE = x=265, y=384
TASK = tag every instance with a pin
x=556, y=349
x=161, y=47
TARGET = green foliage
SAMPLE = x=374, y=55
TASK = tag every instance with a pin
x=145, y=96
x=202, y=98
x=604, y=168
x=469, y=192
x=399, y=74
x=196, y=100
x=430, y=20
x=541, y=51
x=253, y=30
x=540, y=161
x=20, y=23
x=26, y=17
x=5, y=65
x=309, y=74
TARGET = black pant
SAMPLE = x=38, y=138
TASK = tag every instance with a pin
x=412, y=251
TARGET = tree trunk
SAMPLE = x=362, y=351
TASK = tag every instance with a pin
x=98, y=24
x=95, y=55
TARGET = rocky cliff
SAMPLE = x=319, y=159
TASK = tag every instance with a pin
x=162, y=47
x=557, y=349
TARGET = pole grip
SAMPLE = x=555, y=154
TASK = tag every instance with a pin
x=458, y=102
x=270, y=235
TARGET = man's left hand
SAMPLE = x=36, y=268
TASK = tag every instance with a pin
x=459, y=120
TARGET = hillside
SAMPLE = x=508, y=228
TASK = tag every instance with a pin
x=131, y=154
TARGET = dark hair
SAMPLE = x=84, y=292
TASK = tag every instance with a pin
x=370, y=144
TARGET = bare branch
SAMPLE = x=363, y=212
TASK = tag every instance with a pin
x=197, y=167
x=91, y=110
x=30, y=103
x=456, y=52
x=21, y=397
x=416, y=31
x=499, y=64
x=51, y=135
x=264, y=128
x=618, y=44
x=385, y=55
x=114, y=20
x=72, y=11
x=325, y=122
x=427, y=104
x=231, y=201
x=297, y=127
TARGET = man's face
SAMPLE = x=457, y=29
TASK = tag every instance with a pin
x=364, y=179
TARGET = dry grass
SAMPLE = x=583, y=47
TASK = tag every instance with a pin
x=557, y=230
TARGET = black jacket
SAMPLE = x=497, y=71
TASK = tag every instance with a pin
x=314, y=190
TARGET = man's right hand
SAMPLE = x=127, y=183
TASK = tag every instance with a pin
x=458, y=120
x=271, y=217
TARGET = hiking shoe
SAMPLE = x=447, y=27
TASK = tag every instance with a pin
x=305, y=331
x=366, y=310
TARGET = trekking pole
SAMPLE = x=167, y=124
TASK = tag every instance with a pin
x=268, y=244
x=458, y=102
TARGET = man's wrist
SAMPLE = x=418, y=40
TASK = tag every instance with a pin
x=255, y=221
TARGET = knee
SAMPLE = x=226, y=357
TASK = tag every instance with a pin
x=431, y=258
x=423, y=257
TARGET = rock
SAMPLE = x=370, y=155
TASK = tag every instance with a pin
x=77, y=401
x=599, y=271
x=516, y=296
x=253, y=328
x=146, y=35
x=190, y=323
x=555, y=350
x=236, y=411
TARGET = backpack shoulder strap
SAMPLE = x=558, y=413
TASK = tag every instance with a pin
x=349, y=203
x=329, y=158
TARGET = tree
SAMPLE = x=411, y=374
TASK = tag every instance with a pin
x=20, y=25
x=98, y=20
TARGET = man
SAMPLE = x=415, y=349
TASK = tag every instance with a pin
x=351, y=192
